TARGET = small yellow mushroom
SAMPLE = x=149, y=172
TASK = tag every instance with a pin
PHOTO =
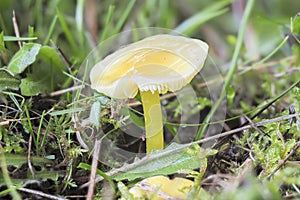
x=152, y=66
x=161, y=187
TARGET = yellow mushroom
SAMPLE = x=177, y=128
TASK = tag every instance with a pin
x=161, y=187
x=152, y=66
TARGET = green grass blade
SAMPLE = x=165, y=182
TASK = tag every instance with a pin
x=79, y=20
x=51, y=30
x=232, y=70
x=39, y=133
x=67, y=32
x=14, y=39
x=67, y=111
x=13, y=98
x=107, y=22
x=124, y=16
x=267, y=57
x=189, y=26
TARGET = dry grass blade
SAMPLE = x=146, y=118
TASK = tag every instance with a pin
x=28, y=156
x=38, y=193
x=91, y=19
x=92, y=181
x=16, y=28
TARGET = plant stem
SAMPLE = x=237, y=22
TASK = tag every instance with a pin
x=153, y=120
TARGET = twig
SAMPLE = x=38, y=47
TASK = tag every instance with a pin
x=291, y=196
x=16, y=28
x=4, y=123
x=41, y=194
x=294, y=149
x=59, y=92
x=64, y=57
x=296, y=188
x=92, y=182
x=253, y=124
x=151, y=157
x=28, y=156
x=80, y=196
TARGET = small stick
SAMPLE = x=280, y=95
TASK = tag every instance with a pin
x=28, y=156
x=296, y=188
x=79, y=196
x=16, y=28
x=4, y=123
x=64, y=58
x=40, y=194
x=253, y=124
x=59, y=92
x=92, y=181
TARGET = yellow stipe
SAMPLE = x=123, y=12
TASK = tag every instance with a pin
x=153, y=121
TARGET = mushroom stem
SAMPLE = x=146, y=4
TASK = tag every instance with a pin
x=153, y=120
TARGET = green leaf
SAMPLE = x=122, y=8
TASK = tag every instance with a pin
x=8, y=81
x=296, y=24
x=165, y=164
x=50, y=56
x=95, y=114
x=67, y=111
x=46, y=75
x=136, y=119
x=17, y=160
x=203, y=102
x=230, y=96
x=99, y=172
x=4, y=192
x=124, y=191
x=3, y=55
x=2, y=45
x=24, y=57
x=43, y=175
x=34, y=85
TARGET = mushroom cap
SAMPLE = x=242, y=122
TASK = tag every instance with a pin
x=161, y=187
x=158, y=63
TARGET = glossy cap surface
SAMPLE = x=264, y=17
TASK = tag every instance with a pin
x=158, y=63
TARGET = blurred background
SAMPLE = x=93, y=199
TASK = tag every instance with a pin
x=87, y=22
